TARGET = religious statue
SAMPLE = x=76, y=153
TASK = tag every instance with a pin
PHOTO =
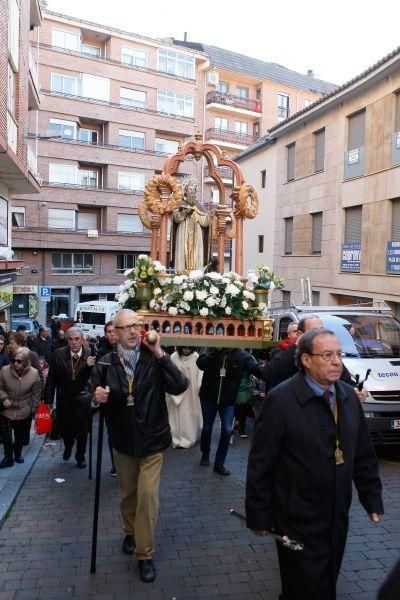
x=191, y=231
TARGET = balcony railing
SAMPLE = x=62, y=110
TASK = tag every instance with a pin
x=32, y=161
x=96, y=188
x=232, y=137
x=223, y=172
x=46, y=229
x=234, y=101
x=33, y=67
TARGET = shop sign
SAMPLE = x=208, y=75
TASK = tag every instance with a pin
x=351, y=257
x=25, y=289
x=393, y=258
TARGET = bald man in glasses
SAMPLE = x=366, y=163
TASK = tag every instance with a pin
x=130, y=383
x=310, y=443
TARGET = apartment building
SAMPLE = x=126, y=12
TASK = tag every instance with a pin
x=19, y=103
x=114, y=106
x=337, y=192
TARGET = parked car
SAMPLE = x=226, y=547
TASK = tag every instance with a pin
x=370, y=339
x=31, y=325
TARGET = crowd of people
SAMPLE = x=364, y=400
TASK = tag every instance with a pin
x=310, y=440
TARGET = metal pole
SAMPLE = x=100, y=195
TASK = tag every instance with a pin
x=97, y=491
x=90, y=444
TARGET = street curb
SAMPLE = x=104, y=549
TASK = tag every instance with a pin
x=13, y=478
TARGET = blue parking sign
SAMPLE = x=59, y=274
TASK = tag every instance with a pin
x=45, y=292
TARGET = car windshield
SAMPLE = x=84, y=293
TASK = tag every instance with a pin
x=27, y=324
x=366, y=336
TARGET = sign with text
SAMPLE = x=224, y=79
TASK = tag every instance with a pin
x=45, y=294
x=393, y=258
x=351, y=257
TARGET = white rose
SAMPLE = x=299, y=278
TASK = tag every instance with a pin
x=214, y=290
x=245, y=305
x=152, y=303
x=223, y=302
x=185, y=306
x=128, y=272
x=232, y=290
x=123, y=298
x=188, y=296
x=228, y=310
x=215, y=276
x=178, y=279
x=201, y=294
x=226, y=280
x=211, y=301
x=132, y=292
x=157, y=291
x=197, y=274
x=173, y=311
x=204, y=311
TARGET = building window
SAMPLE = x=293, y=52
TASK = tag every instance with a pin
x=242, y=92
x=396, y=220
x=319, y=156
x=222, y=87
x=315, y=298
x=288, y=235
x=215, y=195
x=286, y=298
x=241, y=127
x=95, y=87
x=353, y=224
x=66, y=129
x=258, y=94
x=71, y=263
x=88, y=136
x=129, y=223
x=134, y=140
x=13, y=32
x=125, y=261
x=133, y=57
x=221, y=124
x=63, y=84
x=67, y=40
x=3, y=222
x=91, y=50
x=174, y=104
x=356, y=137
x=166, y=146
x=130, y=97
x=397, y=119
x=291, y=161
x=11, y=97
x=261, y=243
x=130, y=181
x=18, y=216
x=263, y=178
x=283, y=106
x=61, y=218
x=86, y=220
x=316, y=233
x=60, y=173
x=176, y=63
x=88, y=178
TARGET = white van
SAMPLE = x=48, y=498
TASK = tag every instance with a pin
x=370, y=339
x=91, y=317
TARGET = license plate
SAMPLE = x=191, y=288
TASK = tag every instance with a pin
x=395, y=423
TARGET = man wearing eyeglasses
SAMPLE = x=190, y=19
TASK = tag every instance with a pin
x=131, y=382
x=310, y=443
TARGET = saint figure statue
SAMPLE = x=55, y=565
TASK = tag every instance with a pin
x=191, y=237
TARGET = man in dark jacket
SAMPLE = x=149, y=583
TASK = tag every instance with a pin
x=223, y=371
x=69, y=373
x=310, y=442
x=109, y=342
x=42, y=344
x=131, y=383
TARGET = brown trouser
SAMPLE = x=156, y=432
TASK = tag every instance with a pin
x=139, y=481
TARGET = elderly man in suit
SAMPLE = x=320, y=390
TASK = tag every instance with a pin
x=69, y=373
x=310, y=443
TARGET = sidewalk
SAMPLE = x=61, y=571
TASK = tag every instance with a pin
x=201, y=551
x=12, y=479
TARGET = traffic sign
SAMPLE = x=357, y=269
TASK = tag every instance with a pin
x=45, y=293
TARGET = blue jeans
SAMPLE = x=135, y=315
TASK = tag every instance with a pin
x=226, y=413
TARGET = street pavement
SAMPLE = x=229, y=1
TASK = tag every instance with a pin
x=201, y=551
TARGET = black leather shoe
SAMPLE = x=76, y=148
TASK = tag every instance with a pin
x=220, y=469
x=81, y=464
x=128, y=545
x=6, y=462
x=19, y=460
x=67, y=453
x=205, y=461
x=147, y=570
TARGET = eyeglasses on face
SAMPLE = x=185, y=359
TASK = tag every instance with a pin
x=17, y=360
x=127, y=327
x=328, y=354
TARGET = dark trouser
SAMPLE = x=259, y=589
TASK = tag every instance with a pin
x=241, y=412
x=226, y=413
x=19, y=427
x=81, y=441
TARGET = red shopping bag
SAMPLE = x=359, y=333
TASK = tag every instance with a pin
x=43, y=420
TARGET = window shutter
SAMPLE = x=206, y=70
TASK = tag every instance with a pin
x=288, y=235
x=319, y=150
x=87, y=220
x=397, y=123
x=61, y=219
x=316, y=242
x=291, y=161
x=353, y=223
x=356, y=130
x=396, y=220
x=129, y=223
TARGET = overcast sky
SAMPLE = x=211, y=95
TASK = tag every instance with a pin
x=338, y=40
